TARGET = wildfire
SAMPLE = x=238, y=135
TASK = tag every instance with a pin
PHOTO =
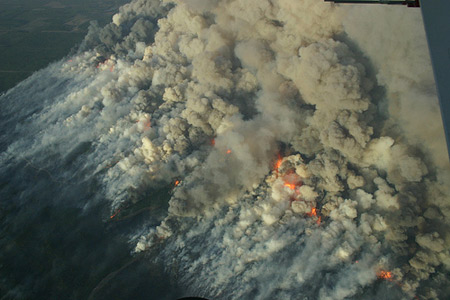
x=228, y=151
x=115, y=214
x=177, y=182
x=387, y=275
x=290, y=185
x=213, y=142
x=278, y=163
x=112, y=164
x=101, y=64
x=313, y=213
x=147, y=123
x=105, y=63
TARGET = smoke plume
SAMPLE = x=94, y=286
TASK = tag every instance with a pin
x=294, y=130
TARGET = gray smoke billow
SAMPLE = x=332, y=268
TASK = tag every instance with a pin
x=306, y=138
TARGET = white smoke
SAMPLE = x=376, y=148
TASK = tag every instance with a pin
x=211, y=94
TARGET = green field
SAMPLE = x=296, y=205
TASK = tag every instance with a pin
x=35, y=33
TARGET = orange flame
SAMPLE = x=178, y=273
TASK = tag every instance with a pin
x=290, y=185
x=213, y=142
x=177, y=182
x=387, y=275
x=115, y=214
x=228, y=151
x=312, y=213
x=278, y=163
x=319, y=219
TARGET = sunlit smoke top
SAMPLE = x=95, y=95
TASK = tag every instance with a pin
x=282, y=131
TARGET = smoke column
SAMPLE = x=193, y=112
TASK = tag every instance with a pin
x=304, y=139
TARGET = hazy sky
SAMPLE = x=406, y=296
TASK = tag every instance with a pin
x=436, y=15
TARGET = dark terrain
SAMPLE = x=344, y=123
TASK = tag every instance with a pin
x=35, y=33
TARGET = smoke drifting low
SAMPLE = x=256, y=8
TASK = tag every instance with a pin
x=301, y=172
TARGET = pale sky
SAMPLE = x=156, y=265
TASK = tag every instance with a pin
x=437, y=26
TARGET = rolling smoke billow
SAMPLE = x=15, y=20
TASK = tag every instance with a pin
x=263, y=149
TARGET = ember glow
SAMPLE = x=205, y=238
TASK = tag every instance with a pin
x=278, y=163
x=386, y=275
x=293, y=88
x=290, y=185
x=313, y=213
x=319, y=220
x=115, y=214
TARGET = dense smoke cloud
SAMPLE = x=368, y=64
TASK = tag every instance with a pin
x=403, y=66
x=300, y=176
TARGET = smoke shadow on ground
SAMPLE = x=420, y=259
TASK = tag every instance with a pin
x=126, y=282
x=54, y=248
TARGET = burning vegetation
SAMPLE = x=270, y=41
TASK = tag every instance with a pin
x=115, y=214
x=385, y=275
x=287, y=181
